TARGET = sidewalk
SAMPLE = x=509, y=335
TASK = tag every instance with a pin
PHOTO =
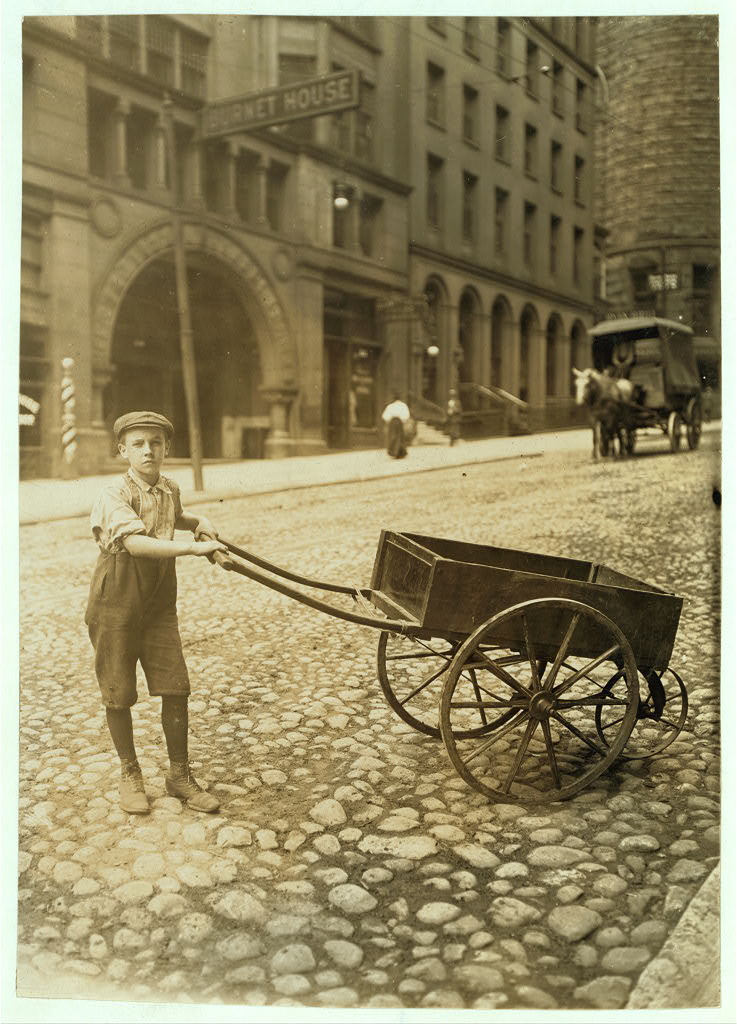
x=46, y=500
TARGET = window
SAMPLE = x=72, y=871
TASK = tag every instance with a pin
x=501, y=206
x=577, y=254
x=435, y=93
x=434, y=191
x=340, y=227
x=554, y=243
x=368, y=213
x=470, y=182
x=276, y=181
x=581, y=100
x=470, y=114
x=124, y=40
x=531, y=150
x=579, y=36
x=502, y=145
x=32, y=250
x=245, y=185
x=532, y=68
x=160, y=49
x=89, y=31
x=528, y=234
x=503, y=46
x=295, y=68
x=557, y=91
x=642, y=291
x=100, y=134
x=139, y=141
x=579, y=180
x=703, y=286
x=556, y=151
x=471, y=36
x=364, y=121
x=193, y=62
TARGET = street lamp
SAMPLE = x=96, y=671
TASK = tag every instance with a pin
x=341, y=196
x=432, y=351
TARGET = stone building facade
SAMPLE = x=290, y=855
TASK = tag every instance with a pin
x=439, y=233
x=657, y=154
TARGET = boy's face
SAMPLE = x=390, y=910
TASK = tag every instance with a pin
x=145, y=449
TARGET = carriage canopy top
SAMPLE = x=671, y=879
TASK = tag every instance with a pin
x=648, y=341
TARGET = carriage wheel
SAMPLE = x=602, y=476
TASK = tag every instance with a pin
x=412, y=672
x=661, y=713
x=675, y=429
x=541, y=740
x=694, y=418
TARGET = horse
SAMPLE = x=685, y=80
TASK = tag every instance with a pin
x=607, y=399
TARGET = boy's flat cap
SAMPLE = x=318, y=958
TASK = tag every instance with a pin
x=142, y=419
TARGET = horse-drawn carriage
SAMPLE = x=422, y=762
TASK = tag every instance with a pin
x=644, y=376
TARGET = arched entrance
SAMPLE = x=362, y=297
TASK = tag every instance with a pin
x=244, y=348
x=437, y=337
x=528, y=355
x=580, y=352
x=553, y=344
x=501, y=343
x=146, y=361
x=469, y=341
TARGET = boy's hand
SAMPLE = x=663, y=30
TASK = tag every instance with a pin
x=207, y=547
x=205, y=529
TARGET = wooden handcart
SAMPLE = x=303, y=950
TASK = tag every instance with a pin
x=537, y=672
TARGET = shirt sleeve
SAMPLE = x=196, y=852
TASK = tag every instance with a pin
x=112, y=520
x=176, y=495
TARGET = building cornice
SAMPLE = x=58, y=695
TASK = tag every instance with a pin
x=499, y=277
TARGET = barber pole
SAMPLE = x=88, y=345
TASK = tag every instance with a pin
x=68, y=416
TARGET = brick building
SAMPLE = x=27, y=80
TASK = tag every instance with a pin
x=440, y=232
x=657, y=157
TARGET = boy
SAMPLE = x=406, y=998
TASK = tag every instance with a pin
x=131, y=613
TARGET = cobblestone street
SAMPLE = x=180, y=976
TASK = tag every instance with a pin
x=350, y=866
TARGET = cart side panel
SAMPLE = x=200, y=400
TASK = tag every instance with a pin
x=503, y=558
x=462, y=597
x=402, y=573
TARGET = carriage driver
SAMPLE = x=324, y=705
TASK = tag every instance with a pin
x=131, y=612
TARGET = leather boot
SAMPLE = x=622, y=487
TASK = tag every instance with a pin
x=180, y=782
x=133, y=797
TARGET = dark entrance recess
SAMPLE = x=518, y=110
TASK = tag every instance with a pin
x=147, y=371
x=353, y=371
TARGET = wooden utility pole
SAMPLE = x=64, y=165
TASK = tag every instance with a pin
x=189, y=368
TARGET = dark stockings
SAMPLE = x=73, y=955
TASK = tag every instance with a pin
x=121, y=729
x=175, y=721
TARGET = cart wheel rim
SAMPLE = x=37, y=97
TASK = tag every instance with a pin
x=549, y=748
x=412, y=672
x=675, y=430
x=655, y=728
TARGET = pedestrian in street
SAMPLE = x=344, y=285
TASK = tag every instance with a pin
x=132, y=614
x=453, y=413
x=396, y=416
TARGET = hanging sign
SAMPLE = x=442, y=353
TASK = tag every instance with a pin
x=324, y=95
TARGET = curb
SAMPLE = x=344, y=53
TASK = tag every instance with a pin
x=686, y=971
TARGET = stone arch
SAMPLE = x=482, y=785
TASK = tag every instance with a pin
x=469, y=337
x=554, y=368
x=433, y=364
x=502, y=344
x=531, y=384
x=580, y=352
x=277, y=349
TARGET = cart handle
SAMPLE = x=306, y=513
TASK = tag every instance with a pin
x=401, y=626
x=285, y=573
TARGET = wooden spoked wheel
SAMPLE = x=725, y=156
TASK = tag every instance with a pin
x=675, y=430
x=540, y=695
x=694, y=419
x=661, y=712
x=412, y=672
